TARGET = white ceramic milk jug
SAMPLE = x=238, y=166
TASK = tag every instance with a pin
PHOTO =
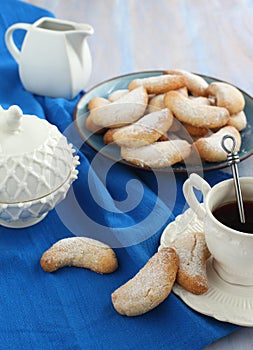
x=54, y=59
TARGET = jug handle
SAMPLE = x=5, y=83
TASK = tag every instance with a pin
x=15, y=52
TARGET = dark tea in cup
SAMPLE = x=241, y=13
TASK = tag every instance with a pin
x=228, y=215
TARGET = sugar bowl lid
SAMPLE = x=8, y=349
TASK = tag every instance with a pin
x=35, y=158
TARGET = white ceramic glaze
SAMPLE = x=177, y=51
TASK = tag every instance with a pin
x=232, y=250
x=55, y=58
x=224, y=301
x=37, y=167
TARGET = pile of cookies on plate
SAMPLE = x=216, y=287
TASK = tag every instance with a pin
x=161, y=120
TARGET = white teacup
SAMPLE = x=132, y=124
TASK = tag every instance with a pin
x=232, y=250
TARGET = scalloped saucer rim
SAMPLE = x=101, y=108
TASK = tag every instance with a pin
x=223, y=301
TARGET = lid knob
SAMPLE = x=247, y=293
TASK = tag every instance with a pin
x=11, y=118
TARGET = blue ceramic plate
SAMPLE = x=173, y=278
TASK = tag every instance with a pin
x=113, y=151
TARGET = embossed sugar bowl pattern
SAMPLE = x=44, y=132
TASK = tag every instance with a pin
x=37, y=167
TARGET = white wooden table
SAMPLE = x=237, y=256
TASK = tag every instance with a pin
x=208, y=37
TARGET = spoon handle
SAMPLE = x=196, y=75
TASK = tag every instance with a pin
x=233, y=159
x=238, y=192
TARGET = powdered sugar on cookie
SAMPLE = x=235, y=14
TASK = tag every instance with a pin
x=192, y=253
x=149, y=287
x=175, y=104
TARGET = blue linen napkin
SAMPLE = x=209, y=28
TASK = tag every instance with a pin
x=71, y=308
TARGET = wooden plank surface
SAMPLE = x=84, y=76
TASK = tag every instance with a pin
x=208, y=37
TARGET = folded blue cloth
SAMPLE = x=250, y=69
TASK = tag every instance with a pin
x=71, y=308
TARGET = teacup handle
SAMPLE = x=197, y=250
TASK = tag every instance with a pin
x=195, y=181
x=15, y=52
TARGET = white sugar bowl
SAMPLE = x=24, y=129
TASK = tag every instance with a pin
x=37, y=167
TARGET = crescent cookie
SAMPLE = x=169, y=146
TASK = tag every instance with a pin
x=195, y=83
x=80, y=252
x=96, y=129
x=210, y=148
x=156, y=103
x=188, y=111
x=192, y=252
x=115, y=95
x=227, y=96
x=149, y=287
x=125, y=110
x=158, y=84
x=201, y=100
x=239, y=121
x=108, y=135
x=195, y=130
x=145, y=131
x=95, y=102
x=158, y=154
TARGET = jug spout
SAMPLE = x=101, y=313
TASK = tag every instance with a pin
x=84, y=28
x=76, y=39
x=79, y=56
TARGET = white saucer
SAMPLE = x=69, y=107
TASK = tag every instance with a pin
x=223, y=301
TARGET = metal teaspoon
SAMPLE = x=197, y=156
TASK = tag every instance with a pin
x=233, y=159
